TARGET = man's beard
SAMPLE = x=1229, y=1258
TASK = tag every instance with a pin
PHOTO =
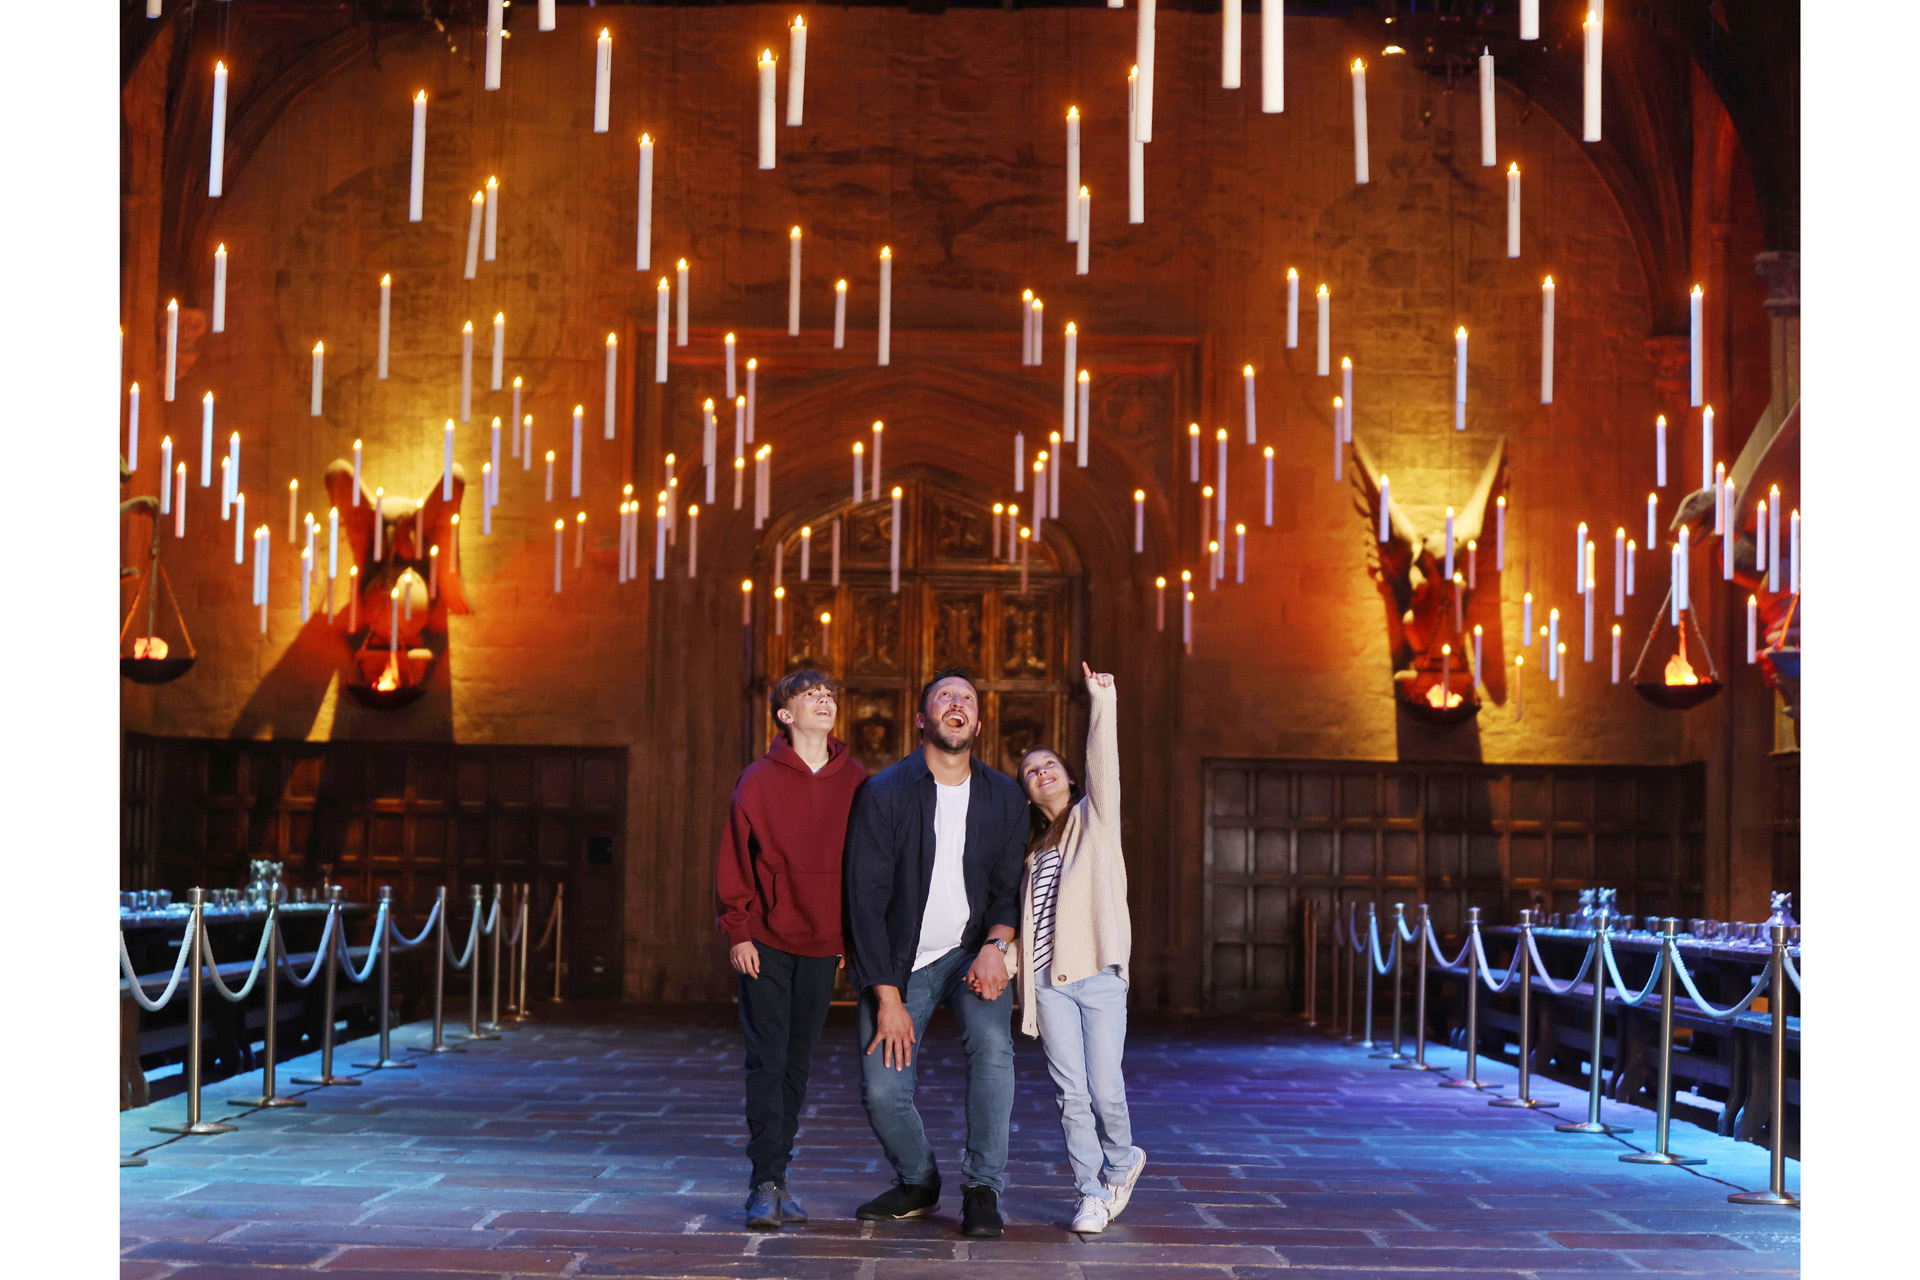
x=953, y=745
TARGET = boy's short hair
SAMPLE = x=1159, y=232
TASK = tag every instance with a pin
x=791, y=686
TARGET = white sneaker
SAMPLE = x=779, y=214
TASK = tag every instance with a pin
x=1124, y=1192
x=1091, y=1216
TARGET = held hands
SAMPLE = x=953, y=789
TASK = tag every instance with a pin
x=745, y=959
x=1097, y=680
x=987, y=978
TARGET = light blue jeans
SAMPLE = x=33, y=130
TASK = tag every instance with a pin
x=1083, y=1026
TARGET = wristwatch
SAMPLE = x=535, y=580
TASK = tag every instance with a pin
x=1000, y=943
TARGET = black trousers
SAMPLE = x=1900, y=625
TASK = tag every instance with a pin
x=781, y=1012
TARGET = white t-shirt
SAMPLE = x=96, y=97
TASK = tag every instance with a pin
x=945, y=918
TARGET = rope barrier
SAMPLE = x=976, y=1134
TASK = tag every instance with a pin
x=553, y=918
x=133, y=979
x=473, y=940
x=1433, y=945
x=253, y=974
x=513, y=938
x=1792, y=972
x=373, y=951
x=1380, y=963
x=1619, y=984
x=1707, y=1008
x=320, y=953
x=1480, y=954
x=1540, y=969
x=405, y=943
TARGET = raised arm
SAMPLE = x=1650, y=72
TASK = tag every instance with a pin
x=1103, y=750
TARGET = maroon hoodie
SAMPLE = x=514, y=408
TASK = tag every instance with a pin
x=778, y=878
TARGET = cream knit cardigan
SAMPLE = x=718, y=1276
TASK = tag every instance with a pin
x=1091, y=927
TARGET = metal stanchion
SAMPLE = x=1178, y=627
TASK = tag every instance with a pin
x=520, y=1013
x=1472, y=1079
x=473, y=1031
x=333, y=929
x=1366, y=959
x=439, y=1044
x=1419, y=1060
x=1663, y=1109
x=1776, y=1192
x=1525, y=1098
x=493, y=1021
x=559, y=937
x=1310, y=929
x=383, y=925
x=1334, y=965
x=1399, y=965
x=1593, y=1123
x=196, y=899
x=267, y=1097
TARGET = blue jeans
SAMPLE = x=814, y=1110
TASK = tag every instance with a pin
x=986, y=1032
x=1083, y=1026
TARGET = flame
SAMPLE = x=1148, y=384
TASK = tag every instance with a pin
x=1680, y=671
x=390, y=677
x=1439, y=698
x=149, y=647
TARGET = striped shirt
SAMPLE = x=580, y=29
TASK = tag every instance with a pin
x=1046, y=890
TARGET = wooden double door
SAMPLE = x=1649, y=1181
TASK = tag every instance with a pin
x=959, y=605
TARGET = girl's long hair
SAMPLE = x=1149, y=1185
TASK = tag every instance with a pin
x=1043, y=833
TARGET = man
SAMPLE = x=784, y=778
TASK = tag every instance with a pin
x=778, y=888
x=934, y=853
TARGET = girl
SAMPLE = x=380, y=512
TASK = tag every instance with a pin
x=1078, y=938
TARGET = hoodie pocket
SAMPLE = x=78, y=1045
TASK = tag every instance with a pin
x=806, y=904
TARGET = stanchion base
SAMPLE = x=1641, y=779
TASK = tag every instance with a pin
x=132, y=1162
x=1363, y=1044
x=1595, y=1126
x=435, y=1048
x=205, y=1126
x=1414, y=1064
x=1764, y=1197
x=388, y=1064
x=475, y=1035
x=325, y=1080
x=261, y=1103
x=1391, y=1056
x=1528, y=1103
x=495, y=1028
x=555, y=1000
x=1464, y=1083
x=1660, y=1157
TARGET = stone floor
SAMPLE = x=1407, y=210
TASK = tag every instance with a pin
x=608, y=1143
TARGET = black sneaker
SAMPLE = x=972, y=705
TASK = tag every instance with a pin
x=790, y=1210
x=898, y=1203
x=980, y=1213
x=763, y=1207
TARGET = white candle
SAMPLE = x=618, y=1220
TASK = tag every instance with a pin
x=433, y=572
x=1580, y=558
x=1040, y=495
x=133, y=437
x=1073, y=174
x=1273, y=49
x=1486, y=111
x=240, y=528
x=1067, y=367
x=1240, y=553
x=826, y=636
x=740, y=437
x=1246, y=378
x=1084, y=243
x=417, y=182
x=779, y=610
x=526, y=443
x=319, y=373
x=356, y=473
x=1386, y=506
x=173, y=345
x=1346, y=399
x=216, y=160
x=1590, y=80
x=796, y=70
x=1324, y=349
x=839, y=314
x=1729, y=531
x=1448, y=542
x=446, y=463
x=680, y=305
x=643, y=240
x=490, y=220
x=333, y=545
x=613, y=383
x=709, y=444
x=660, y=542
x=206, y=443
x=220, y=289
x=1136, y=154
x=693, y=540
x=660, y=331
x=1586, y=634
x=1706, y=446
x=1526, y=619
x=579, y=538
x=894, y=550
x=491, y=494
x=1753, y=629
x=293, y=507
x=1143, y=58
x=1230, y=44
x=1446, y=674
x=806, y=552
x=1773, y=539
x=466, y=372
x=1616, y=653
x=859, y=486
x=1084, y=416
x=793, y=283
x=476, y=213
x=232, y=463
x=763, y=478
x=579, y=416
x=732, y=378
x=495, y=18
x=739, y=480
x=626, y=536
x=1500, y=533
x=1039, y=329
x=878, y=428
x=1696, y=347
x=1193, y=453
x=499, y=350
x=386, y=325
x=1631, y=548
x=1513, y=209
x=1139, y=521
x=886, y=304
x=1186, y=617
x=1460, y=378
x=1619, y=571
x=1220, y=471
x=1546, y=341
x=1683, y=586
x=1025, y=543
x=1793, y=554
x=602, y=78
x=1019, y=462
x=1293, y=308
x=834, y=560
x=1653, y=528
x=379, y=521
x=1359, y=122
x=546, y=15
x=559, y=542
x=180, y=500
x=1659, y=455
x=1553, y=644
x=1055, y=460
x=766, y=109
x=1529, y=19
x=166, y=477
x=1269, y=461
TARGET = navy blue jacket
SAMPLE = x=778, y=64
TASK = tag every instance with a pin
x=889, y=865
